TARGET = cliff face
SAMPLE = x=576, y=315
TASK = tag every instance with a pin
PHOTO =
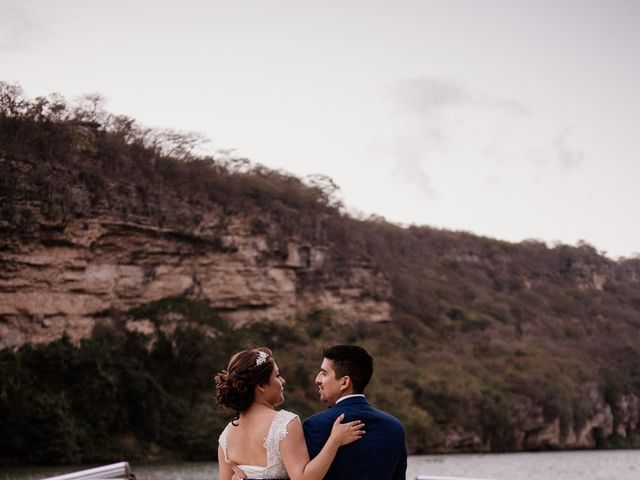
x=65, y=278
x=175, y=262
x=534, y=429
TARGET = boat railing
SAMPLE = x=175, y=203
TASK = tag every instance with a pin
x=122, y=471
x=115, y=471
x=439, y=477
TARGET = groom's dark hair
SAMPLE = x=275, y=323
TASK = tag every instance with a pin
x=353, y=361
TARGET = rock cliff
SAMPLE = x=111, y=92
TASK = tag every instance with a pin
x=66, y=277
x=534, y=429
x=480, y=344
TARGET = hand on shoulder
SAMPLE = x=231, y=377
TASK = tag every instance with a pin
x=346, y=433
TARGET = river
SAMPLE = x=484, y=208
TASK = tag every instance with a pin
x=580, y=465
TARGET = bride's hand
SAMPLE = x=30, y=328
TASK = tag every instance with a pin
x=238, y=473
x=345, y=433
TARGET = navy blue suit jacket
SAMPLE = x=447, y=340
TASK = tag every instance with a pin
x=381, y=454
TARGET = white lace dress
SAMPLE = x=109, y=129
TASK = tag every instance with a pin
x=277, y=431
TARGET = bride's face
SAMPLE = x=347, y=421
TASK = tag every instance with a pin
x=274, y=390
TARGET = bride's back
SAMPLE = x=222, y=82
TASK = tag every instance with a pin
x=246, y=441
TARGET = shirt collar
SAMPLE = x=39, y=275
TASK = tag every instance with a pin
x=349, y=396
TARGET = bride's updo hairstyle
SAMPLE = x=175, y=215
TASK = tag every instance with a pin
x=235, y=386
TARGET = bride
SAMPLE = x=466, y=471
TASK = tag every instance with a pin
x=263, y=442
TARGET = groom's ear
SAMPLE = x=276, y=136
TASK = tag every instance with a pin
x=345, y=382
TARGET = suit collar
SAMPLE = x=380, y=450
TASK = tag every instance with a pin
x=342, y=399
x=355, y=400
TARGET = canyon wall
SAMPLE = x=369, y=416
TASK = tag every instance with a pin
x=66, y=277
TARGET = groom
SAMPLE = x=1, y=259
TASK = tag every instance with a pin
x=381, y=453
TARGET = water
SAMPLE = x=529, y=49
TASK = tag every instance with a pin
x=583, y=465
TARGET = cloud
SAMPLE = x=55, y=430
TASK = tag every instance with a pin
x=568, y=158
x=476, y=121
x=18, y=27
x=426, y=95
x=491, y=183
x=507, y=106
x=411, y=151
x=442, y=128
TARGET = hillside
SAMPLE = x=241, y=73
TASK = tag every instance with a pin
x=131, y=267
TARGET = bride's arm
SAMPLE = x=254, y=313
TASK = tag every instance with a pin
x=225, y=469
x=293, y=449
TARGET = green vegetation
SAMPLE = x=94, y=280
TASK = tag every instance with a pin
x=126, y=395
x=484, y=332
x=111, y=397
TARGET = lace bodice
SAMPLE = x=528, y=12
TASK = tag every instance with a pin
x=277, y=431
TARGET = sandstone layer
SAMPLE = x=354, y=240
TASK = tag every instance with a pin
x=62, y=280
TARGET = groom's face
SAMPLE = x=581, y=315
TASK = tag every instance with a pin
x=330, y=388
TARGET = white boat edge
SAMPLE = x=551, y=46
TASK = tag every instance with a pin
x=114, y=471
x=439, y=477
x=122, y=471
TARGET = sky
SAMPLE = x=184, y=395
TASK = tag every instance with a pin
x=510, y=119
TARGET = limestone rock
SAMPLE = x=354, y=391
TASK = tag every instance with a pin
x=60, y=282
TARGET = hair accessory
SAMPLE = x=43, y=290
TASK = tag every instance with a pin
x=262, y=357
